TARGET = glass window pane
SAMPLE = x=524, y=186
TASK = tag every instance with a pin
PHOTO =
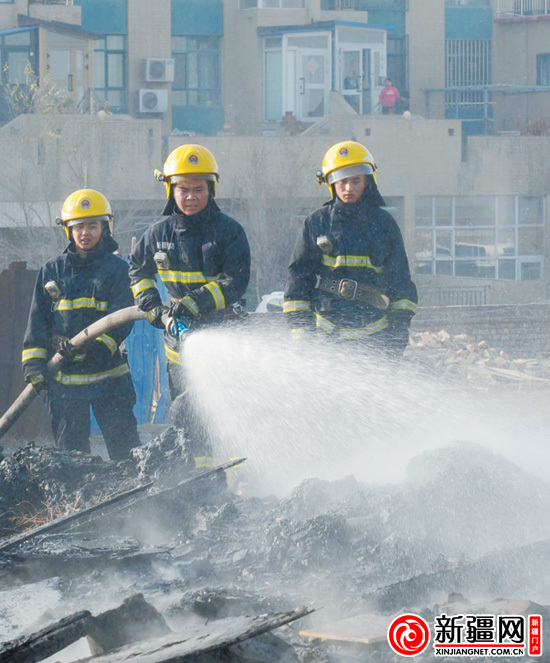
x=18, y=39
x=179, y=98
x=208, y=43
x=99, y=44
x=530, y=271
x=115, y=97
x=423, y=210
x=115, y=42
x=443, y=211
x=531, y=241
x=180, y=70
x=444, y=267
x=273, y=86
x=293, y=4
x=507, y=270
x=506, y=242
x=209, y=98
x=424, y=267
x=179, y=43
x=99, y=69
x=474, y=210
x=273, y=42
x=115, y=71
x=506, y=210
x=443, y=239
x=16, y=67
x=192, y=70
x=208, y=70
x=423, y=244
x=530, y=210
x=478, y=243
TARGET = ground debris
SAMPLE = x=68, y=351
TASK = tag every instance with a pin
x=48, y=641
x=481, y=364
x=205, y=639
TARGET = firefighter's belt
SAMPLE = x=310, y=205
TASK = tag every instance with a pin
x=352, y=291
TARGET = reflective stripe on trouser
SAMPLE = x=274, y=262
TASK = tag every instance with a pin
x=350, y=333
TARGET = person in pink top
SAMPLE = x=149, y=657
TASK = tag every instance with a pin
x=388, y=96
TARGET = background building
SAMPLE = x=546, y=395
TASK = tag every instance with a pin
x=269, y=85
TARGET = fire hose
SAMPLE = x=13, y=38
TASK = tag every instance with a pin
x=26, y=397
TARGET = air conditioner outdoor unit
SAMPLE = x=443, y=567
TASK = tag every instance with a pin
x=153, y=101
x=158, y=70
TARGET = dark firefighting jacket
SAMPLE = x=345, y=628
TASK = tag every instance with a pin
x=362, y=242
x=205, y=256
x=89, y=289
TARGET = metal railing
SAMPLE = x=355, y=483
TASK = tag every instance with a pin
x=475, y=295
x=467, y=3
x=522, y=8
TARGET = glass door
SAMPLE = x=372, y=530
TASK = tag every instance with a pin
x=67, y=67
x=312, y=84
x=355, y=79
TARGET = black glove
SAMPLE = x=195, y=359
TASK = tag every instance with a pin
x=67, y=350
x=154, y=315
x=181, y=312
x=398, y=333
x=97, y=352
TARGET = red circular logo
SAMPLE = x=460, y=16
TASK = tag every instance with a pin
x=343, y=152
x=193, y=158
x=409, y=635
x=85, y=203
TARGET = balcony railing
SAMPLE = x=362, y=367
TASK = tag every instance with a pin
x=511, y=8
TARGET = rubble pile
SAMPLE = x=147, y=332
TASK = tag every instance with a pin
x=200, y=554
x=476, y=361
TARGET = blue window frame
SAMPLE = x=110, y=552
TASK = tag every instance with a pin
x=543, y=69
x=110, y=73
x=197, y=71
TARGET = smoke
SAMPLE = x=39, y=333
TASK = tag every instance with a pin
x=320, y=409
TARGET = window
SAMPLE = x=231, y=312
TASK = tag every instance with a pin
x=197, y=71
x=110, y=73
x=491, y=237
x=467, y=62
x=17, y=50
x=543, y=69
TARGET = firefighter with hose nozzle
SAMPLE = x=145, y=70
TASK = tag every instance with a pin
x=202, y=256
x=349, y=275
x=85, y=283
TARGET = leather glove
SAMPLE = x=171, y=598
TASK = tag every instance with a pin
x=67, y=350
x=154, y=315
x=181, y=317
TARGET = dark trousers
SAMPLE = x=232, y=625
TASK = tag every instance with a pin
x=184, y=415
x=70, y=421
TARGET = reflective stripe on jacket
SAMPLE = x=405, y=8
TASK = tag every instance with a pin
x=90, y=289
x=365, y=245
x=205, y=256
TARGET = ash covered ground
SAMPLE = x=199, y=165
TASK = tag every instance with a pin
x=461, y=524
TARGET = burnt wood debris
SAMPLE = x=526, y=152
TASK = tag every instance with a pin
x=150, y=560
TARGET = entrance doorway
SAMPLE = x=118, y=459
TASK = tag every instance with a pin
x=356, y=78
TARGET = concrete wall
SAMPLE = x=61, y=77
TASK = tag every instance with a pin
x=425, y=26
x=149, y=36
x=46, y=157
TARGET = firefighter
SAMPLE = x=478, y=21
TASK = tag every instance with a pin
x=349, y=274
x=85, y=283
x=202, y=257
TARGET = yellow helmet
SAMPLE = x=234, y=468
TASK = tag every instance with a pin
x=84, y=205
x=346, y=159
x=188, y=161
